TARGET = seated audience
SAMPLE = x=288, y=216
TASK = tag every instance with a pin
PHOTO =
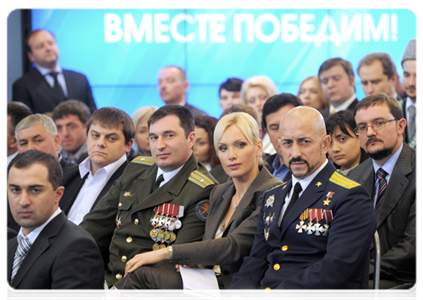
x=345, y=149
x=218, y=172
x=16, y=111
x=140, y=118
x=71, y=119
x=390, y=176
x=254, y=92
x=49, y=252
x=311, y=94
x=203, y=147
x=233, y=215
x=314, y=231
x=273, y=111
x=110, y=138
x=170, y=183
x=230, y=92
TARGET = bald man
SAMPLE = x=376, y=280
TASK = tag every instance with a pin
x=315, y=230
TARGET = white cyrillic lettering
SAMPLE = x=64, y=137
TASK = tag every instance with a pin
x=249, y=25
x=258, y=28
x=112, y=31
x=354, y=27
x=217, y=26
x=174, y=28
x=394, y=27
x=305, y=28
x=160, y=28
x=130, y=28
x=382, y=28
x=202, y=26
x=290, y=32
x=321, y=36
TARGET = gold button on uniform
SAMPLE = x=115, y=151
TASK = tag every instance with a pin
x=120, y=204
x=129, y=240
x=284, y=248
x=136, y=221
x=276, y=267
x=118, y=276
x=267, y=289
x=124, y=258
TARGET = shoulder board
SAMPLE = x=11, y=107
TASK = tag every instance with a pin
x=341, y=180
x=283, y=183
x=200, y=179
x=143, y=160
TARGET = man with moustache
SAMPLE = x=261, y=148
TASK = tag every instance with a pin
x=408, y=104
x=390, y=177
x=314, y=231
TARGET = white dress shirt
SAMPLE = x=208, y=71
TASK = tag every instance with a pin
x=91, y=188
x=50, y=79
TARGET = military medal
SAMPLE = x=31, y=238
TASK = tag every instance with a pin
x=118, y=221
x=328, y=217
x=266, y=233
x=327, y=201
x=172, y=237
x=269, y=201
x=318, y=217
x=164, y=222
x=156, y=247
x=301, y=226
x=153, y=233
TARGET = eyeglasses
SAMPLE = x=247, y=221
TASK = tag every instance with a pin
x=376, y=125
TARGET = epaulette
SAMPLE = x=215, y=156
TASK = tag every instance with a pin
x=200, y=179
x=143, y=160
x=275, y=186
x=341, y=180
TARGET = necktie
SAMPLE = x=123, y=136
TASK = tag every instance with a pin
x=381, y=175
x=294, y=198
x=57, y=89
x=157, y=183
x=412, y=121
x=23, y=247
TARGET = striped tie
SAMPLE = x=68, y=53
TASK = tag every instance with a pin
x=23, y=247
x=381, y=175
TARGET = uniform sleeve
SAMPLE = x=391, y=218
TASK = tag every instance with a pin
x=100, y=222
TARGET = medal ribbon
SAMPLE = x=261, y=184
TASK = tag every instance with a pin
x=327, y=216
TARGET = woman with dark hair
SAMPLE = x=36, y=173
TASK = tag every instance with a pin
x=345, y=149
x=203, y=147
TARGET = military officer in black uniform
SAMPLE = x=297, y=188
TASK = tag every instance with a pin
x=159, y=201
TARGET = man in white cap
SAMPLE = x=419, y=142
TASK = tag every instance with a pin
x=408, y=104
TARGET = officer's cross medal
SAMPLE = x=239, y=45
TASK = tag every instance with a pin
x=302, y=226
x=269, y=201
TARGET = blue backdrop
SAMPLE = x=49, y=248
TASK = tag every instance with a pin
x=122, y=51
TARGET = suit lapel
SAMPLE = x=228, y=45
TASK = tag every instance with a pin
x=41, y=244
x=312, y=194
x=11, y=248
x=397, y=184
x=43, y=85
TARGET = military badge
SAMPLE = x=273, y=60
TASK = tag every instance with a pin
x=202, y=210
x=266, y=234
x=301, y=226
x=269, y=201
x=329, y=195
x=164, y=222
x=118, y=221
x=127, y=194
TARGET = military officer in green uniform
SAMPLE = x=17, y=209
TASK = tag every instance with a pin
x=159, y=201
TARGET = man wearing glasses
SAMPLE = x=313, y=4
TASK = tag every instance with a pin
x=390, y=178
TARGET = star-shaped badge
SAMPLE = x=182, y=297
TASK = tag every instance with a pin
x=269, y=201
x=319, y=184
x=127, y=194
x=326, y=202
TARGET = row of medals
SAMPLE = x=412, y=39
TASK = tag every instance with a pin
x=163, y=230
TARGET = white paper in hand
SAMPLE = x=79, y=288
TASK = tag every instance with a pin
x=200, y=283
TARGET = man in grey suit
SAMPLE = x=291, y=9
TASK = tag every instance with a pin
x=390, y=177
x=49, y=252
x=173, y=86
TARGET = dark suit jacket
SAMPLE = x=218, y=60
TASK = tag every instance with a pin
x=63, y=256
x=33, y=90
x=269, y=166
x=396, y=220
x=195, y=111
x=299, y=255
x=351, y=107
x=73, y=182
x=237, y=240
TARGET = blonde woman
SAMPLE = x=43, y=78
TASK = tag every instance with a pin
x=233, y=216
x=140, y=118
x=311, y=94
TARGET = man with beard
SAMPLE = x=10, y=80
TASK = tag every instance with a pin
x=390, y=177
x=314, y=231
x=408, y=104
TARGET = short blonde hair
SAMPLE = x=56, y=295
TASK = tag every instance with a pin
x=141, y=114
x=258, y=81
x=244, y=122
x=323, y=101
